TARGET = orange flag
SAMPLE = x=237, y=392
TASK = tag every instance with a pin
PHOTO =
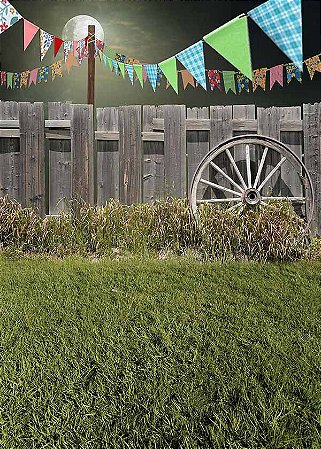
x=187, y=79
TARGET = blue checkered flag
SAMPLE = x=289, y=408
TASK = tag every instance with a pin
x=151, y=70
x=281, y=20
x=130, y=71
x=115, y=66
x=193, y=59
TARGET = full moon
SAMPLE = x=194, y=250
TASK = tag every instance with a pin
x=77, y=28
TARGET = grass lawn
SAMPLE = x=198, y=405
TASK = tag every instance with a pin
x=159, y=354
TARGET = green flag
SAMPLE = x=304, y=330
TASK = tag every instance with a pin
x=139, y=72
x=122, y=68
x=110, y=63
x=229, y=81
x=9, y=79
x=169, y=69
x=232, y=42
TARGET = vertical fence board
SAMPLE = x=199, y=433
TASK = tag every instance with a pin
x=130, y=154
x=59, y=161
x=220, y=130
x=32, y=139
x=244, y=112
x=153, y=170
x=312, y=156
x=175, y=150
x=290, y=177
x=107, y=157
x=269, y=125
x=197, y=146
x=10, y=155
x=82, y=152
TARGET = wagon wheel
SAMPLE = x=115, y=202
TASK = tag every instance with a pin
x=248, y=183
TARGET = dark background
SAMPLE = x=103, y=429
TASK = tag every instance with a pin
x=152, y=31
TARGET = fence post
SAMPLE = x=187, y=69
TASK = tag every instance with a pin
x=82, y=152
x=175, y=150
x=312, y=156
x=130, y=154
x=32, y=155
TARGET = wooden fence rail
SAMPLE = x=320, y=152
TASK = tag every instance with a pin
x=138, y=153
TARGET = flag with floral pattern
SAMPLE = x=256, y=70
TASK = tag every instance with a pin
x=82, y=49
x=8, y=15
x=43, y=74
x=56, y=69
x=99, y=45
x=3, y=78
x=68, y=47
x=242, y=82
x=16, y=80
x=214, y=77
x=24, y=79
x=46, y=40
x=259, y=78
x=292, y=71
x=313, y=65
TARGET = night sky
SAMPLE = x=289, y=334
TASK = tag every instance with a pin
x=152, y=31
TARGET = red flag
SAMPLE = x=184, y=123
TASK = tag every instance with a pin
x=58, y=44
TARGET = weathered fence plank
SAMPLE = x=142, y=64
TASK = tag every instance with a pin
x=130, y=154
x=312, y=156
x=32, y=137
x=82, y=152
x=269, y=125
x=154, y=169
x=197, y=145
x=221, y=129
x=10, y=182
x=175, y=150
x=59, y=161
x=107, y=156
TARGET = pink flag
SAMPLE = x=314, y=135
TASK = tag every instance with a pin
x=276, y=74
x=144, y=74
x=33, y=77
x=29, y=31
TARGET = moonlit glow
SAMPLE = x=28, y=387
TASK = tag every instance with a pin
x=77, y=28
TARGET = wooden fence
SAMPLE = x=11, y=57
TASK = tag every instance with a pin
x=137, y=153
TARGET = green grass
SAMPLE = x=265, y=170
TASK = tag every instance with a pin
x=159, y=354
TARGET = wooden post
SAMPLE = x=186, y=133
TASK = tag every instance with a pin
x=91, y=65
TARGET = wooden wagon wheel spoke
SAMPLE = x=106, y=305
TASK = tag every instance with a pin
x=241, y=175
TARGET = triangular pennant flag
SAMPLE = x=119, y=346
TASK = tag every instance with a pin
x=16, y=80
x=130, y=71
x=3, y=78
x=115, y=66
x=193, y=59
x=58, y=44
x=151, y=70
x=110, y=62
x=68, y=48
x=8, y=15
x=281, y=20
x=145, y=76
x=46, y=40
x=276, y=75
x=139, y=72
x=33, y=77
x=24, y=79
x=104, y=58
x=313, y=65
x=71, y=61
x=29, y=32
x=169, y=68
x=122, y=68
x=56, y=69
x=231, y=40
x=229, y=81
x=43, y=74
x=259, y=78
x=214, y=78
x=292, y=71
x=9, y=79
x=187, y=79
x=242, y=82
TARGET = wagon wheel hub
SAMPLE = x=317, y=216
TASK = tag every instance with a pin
x=251, y=197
